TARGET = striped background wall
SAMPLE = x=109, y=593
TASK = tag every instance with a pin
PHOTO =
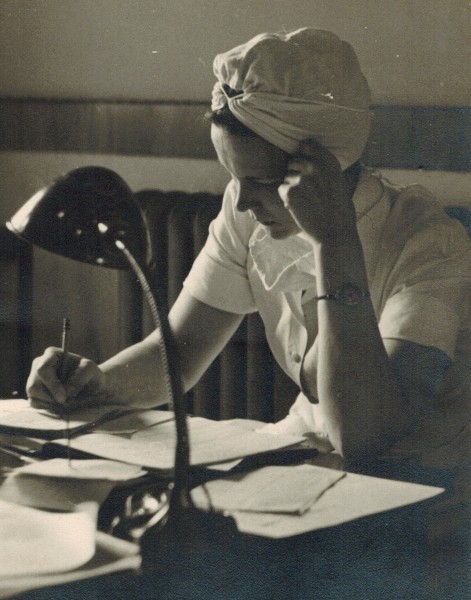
x=402, y=137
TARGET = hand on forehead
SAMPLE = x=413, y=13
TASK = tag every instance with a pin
x=311, y=156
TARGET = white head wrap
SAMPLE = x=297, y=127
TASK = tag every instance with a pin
x=295, y=86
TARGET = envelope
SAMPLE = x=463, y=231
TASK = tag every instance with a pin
x=272, y=489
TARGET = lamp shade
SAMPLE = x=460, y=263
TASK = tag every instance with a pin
x=82, y=215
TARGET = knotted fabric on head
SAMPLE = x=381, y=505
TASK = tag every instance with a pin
x=287, y=87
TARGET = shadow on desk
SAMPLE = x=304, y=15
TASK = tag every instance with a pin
x=448, y=522
x=381, y=556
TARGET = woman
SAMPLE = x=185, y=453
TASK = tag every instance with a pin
x=363, y=287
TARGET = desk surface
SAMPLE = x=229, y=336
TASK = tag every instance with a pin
x=352, y=498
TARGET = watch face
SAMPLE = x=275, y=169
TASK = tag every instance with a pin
x=350, y=294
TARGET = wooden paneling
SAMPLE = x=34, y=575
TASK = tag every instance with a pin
x=145, y=129
x=402, y=137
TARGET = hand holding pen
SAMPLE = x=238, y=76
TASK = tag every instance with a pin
x=60, y=380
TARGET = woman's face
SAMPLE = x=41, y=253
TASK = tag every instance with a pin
x=258, y=168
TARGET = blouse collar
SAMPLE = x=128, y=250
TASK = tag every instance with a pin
x=288, y=265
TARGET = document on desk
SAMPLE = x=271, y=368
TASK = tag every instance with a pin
x=289, y=501
x=273, y=489
x=154, y=447
x=34, y=541
x=17, y=417
x=41, y=548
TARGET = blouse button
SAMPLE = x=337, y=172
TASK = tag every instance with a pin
x=296, y=358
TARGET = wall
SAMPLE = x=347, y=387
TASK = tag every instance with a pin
x=412, y=51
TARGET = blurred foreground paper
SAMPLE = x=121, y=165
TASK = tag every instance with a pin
x=35, y=541
x=53, y=493
x=351, y=496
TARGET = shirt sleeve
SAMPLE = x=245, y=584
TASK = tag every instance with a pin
x=218, y=276
x=429, y=287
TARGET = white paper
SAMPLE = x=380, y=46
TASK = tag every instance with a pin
x=34, y=541
x=136, y=421
x=82, y=469
x=53, y=493
x=273, y=489
x=111, y=555
x=352, y=497
x=19, y=414
x=210, y=442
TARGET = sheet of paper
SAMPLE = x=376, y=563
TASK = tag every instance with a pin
x=274, y=489
x=107, y=470
x=352, y=497
x=136, y=421
x=34, y=541
x=53, y=493
x=19, y=414
x=210, y=442
x=18, y=417
x=111, y=555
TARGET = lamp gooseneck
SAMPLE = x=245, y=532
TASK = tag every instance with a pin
x=180, y=496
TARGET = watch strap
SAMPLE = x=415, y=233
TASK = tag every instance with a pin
x=348, y=294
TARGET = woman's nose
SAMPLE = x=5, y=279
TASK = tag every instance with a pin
x=246, y=199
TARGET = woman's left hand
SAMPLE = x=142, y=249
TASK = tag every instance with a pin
x=316, y=194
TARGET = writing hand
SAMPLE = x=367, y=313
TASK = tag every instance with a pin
x=82, y=381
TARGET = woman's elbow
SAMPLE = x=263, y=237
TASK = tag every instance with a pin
x=359, y=446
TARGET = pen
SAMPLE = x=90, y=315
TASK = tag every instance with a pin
x=65, y=350
x=62, y=373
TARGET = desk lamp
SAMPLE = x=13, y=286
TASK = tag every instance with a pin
x=91, y=215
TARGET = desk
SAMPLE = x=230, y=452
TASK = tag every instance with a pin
x=340, y=564
x=367, y=541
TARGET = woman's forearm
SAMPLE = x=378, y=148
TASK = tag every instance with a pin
x=199, y=333
x=356, y=385
x=135, y=375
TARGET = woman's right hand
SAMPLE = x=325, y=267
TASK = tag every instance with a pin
x=83, y=385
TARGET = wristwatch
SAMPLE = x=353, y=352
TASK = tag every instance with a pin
x=348, y=294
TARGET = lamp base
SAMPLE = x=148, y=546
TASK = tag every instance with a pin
x=187, y=537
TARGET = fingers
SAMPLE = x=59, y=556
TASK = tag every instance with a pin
x=313, y=159
x=311, y=149
x=44, y=388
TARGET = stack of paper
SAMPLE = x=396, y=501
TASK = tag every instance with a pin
x=18, y=417
x=141, y=437
x=154, y=447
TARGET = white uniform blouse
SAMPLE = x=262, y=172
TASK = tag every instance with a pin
x=418, y=263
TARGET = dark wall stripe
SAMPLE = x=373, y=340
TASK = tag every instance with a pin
x=405, y=137
x=420, y=137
